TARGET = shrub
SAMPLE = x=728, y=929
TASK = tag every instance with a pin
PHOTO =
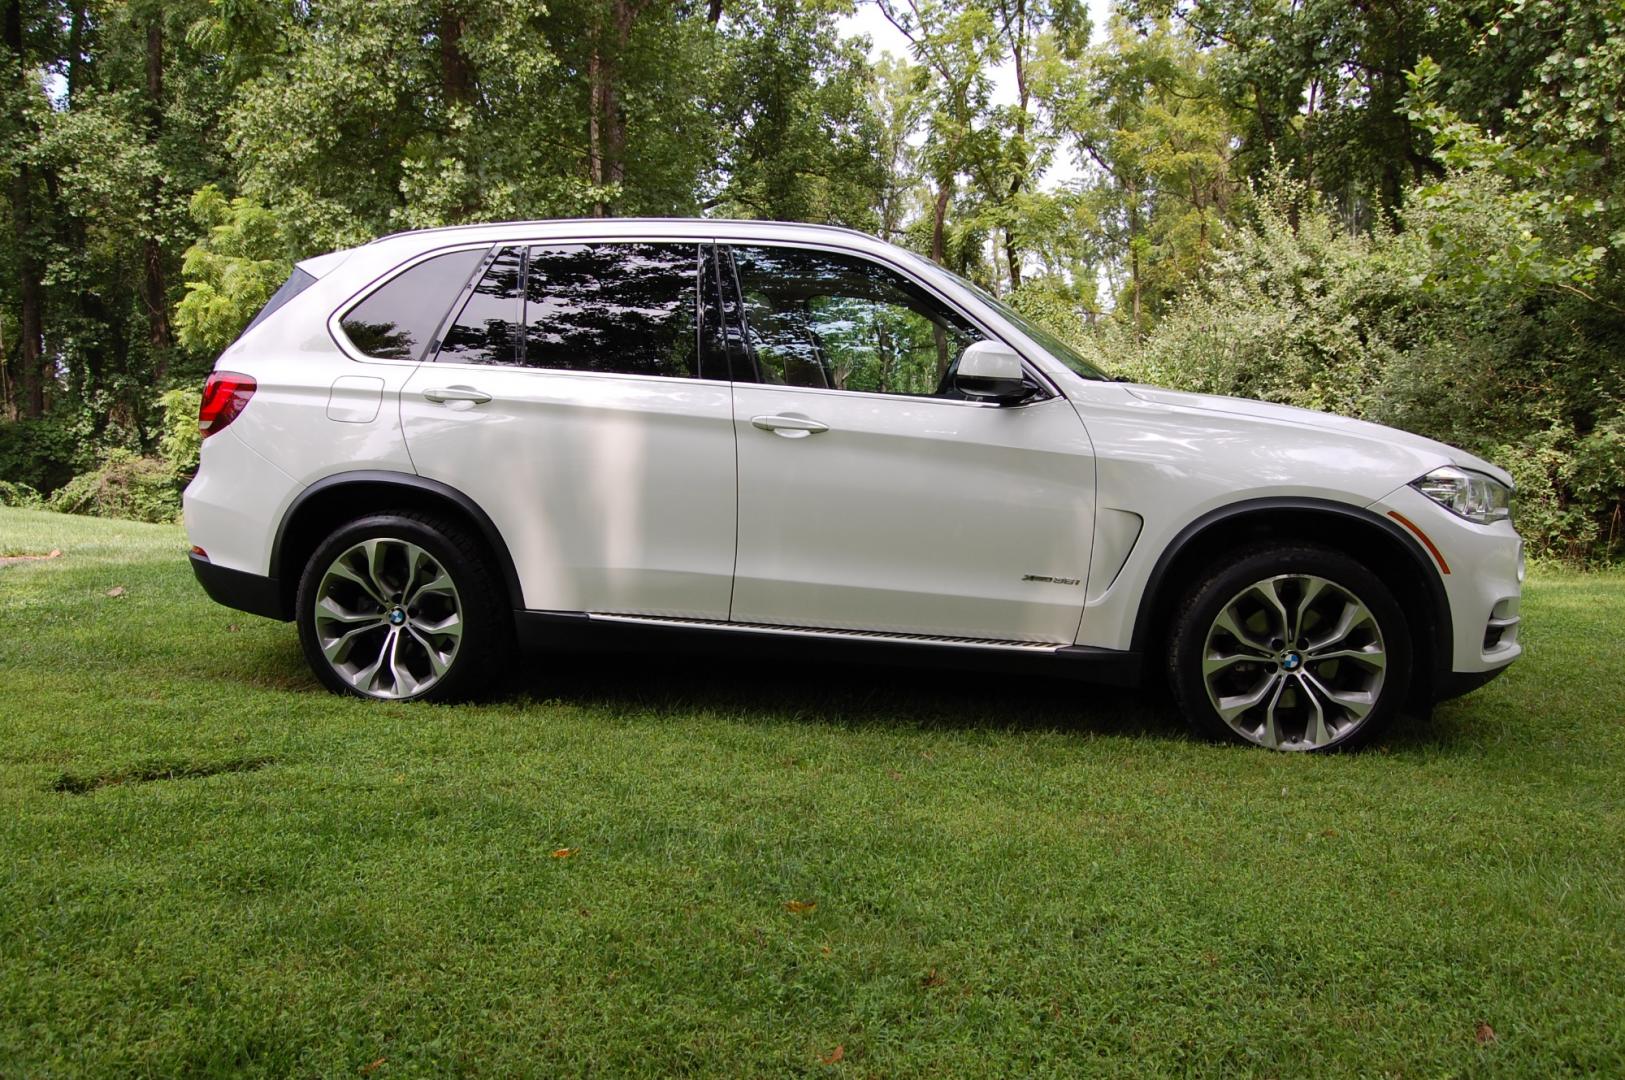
x=179, y=440
x=1297, y=309
x=37, y=453
x=14, y=494
x=124, y=485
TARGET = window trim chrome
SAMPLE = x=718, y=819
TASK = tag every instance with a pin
x=1045, y=384
x=1032, y=368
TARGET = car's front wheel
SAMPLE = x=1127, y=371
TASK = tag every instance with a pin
x=1291, y=647
x=402, y=606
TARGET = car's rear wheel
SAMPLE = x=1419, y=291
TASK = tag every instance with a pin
x=1291, y=647
x=403, y=607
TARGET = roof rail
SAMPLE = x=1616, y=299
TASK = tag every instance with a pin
x=628, y=220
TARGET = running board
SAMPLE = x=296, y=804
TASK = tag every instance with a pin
x=621, y=634
x=820, y=632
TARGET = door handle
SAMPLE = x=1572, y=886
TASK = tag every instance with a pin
x=442, y=394
x=793, y=427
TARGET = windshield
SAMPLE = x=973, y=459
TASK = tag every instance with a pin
x=1051, y=344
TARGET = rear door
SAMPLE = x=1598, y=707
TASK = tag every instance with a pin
x=572, y=394
x=871, y=495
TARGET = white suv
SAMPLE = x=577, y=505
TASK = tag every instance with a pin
x=442, y=445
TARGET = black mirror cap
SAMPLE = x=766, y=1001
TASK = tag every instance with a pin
x=994, y=391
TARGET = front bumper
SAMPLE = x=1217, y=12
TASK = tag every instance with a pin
x=1481, y=569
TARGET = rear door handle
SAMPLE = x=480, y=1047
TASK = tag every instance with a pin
x=793, y=427
x=442, y=394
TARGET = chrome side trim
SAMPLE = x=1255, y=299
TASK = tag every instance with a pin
x=816, y=632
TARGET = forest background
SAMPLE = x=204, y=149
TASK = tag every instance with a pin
x=1406, y=210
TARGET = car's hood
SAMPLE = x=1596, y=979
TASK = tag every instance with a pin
x=1343, y=426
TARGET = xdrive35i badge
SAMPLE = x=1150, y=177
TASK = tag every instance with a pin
x=1051, y=580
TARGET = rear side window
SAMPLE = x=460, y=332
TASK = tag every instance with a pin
x=629, y=309
x=398, y=320
x=297, y=282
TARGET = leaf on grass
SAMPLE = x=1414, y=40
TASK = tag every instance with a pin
x=1484, y=1033
x=835, y=1055
x=799, y=907
x=932, y=979
x=116, y=590
x=372, y=1066
x=564, y=852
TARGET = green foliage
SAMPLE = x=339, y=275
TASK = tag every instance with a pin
x=123, y=485
x=39, y=454
x=230, y=272
x=179, y=441
x=1441, y=245
x=1309, y=314
x=15, y=494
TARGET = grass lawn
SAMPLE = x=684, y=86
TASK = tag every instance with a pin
x=213, y=866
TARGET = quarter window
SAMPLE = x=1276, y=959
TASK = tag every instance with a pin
x=839, y=322
x=486, y=331
x=398, y=320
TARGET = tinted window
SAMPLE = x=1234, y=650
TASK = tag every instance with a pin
x=486, y=331
x=398, y=320
x=625, y=308
x=297, y=282
x=820, y=319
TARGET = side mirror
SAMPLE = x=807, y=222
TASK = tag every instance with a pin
x=991, y=372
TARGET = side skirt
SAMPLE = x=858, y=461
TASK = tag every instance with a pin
x=587, y=632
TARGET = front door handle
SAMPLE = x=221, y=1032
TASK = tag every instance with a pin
x=442, y=394
x=791, y=427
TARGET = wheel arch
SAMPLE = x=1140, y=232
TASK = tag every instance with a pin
x=1374, y=541
x=341, y=497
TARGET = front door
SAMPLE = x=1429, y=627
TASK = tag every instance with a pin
x=572, y=397
x=871, y=496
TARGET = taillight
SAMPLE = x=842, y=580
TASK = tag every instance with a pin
x=224, y=396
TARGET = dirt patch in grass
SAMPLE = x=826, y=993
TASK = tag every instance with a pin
x=71, y=784
x=7, y=560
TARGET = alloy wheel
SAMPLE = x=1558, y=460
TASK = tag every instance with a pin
x=388, y=618
x=1294, y=662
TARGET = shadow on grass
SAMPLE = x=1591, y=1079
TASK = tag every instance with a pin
x=849, y=694
x=149, y=772
x=844, y=693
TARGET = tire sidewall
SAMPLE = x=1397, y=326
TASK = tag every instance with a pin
x=481, y=629
x=1229, y=577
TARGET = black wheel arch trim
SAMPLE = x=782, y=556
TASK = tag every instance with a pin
x=1151, y=596
x=475, y=513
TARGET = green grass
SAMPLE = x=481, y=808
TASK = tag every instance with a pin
x=212, y=866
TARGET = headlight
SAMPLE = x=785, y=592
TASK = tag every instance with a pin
x=1471, y=495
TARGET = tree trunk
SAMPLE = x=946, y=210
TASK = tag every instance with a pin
x=154, y=285
x=29, y=377
x=606, y=124
x=76, y=53
x=456, y=80
x=939, y=218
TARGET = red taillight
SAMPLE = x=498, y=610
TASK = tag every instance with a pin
x=224, y=396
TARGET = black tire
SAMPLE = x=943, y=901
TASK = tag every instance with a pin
x=1353, y=683
x=481, y=655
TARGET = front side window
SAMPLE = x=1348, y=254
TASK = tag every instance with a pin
x=398, y=320
x=840, y=322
